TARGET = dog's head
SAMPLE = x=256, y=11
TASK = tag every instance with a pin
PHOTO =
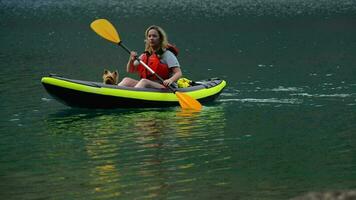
x=111, y=78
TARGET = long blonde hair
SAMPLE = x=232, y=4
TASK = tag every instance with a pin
x=162, y=36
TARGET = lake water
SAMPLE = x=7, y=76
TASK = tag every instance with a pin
x=285, y=124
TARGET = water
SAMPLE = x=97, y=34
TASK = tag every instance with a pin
x=284, y=125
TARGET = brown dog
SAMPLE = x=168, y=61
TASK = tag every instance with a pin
x=111, y=78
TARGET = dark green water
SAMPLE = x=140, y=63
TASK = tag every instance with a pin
x=285, y=125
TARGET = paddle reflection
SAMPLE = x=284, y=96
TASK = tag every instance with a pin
x=154, y=150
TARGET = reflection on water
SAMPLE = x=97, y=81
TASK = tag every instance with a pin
x=145, y=154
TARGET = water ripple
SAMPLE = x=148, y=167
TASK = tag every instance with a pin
x=210, y=8
x=270, y=100
x=322, y=95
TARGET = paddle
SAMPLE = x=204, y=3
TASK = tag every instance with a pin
x=106, y=30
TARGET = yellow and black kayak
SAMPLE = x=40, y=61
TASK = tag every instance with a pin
x=88, y=94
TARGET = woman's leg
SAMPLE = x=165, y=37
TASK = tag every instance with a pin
x=145, y=83
x=128, y=82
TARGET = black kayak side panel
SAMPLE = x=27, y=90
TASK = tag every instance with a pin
x=81, y=99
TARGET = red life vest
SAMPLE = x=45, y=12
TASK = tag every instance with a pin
x=155, y=64
x=153, y=61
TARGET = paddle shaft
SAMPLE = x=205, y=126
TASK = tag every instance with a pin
x=146, y=66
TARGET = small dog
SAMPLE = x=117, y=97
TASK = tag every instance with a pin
x=111, y=78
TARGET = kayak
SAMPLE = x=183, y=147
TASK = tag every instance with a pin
x=88, y=94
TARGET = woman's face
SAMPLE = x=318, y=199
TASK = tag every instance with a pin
x=153, y=38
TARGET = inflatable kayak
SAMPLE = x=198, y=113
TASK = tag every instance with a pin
x=87, y=94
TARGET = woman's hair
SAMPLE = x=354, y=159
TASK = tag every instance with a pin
x=162, y=36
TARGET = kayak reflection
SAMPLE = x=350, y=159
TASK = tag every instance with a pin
x=151, y=149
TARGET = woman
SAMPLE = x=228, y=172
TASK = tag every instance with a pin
x=158, y=58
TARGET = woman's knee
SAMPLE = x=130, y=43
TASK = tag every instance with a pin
x=127, y=82
x=123, y=81
x=145, y=83
x=142, y=83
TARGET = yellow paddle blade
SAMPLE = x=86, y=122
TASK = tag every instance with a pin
x=187, y=102
x=106, y=30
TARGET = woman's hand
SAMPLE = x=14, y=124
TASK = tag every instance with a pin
x=177, y=73
x=130, y=67
x=167, y=82
x=133, y=55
